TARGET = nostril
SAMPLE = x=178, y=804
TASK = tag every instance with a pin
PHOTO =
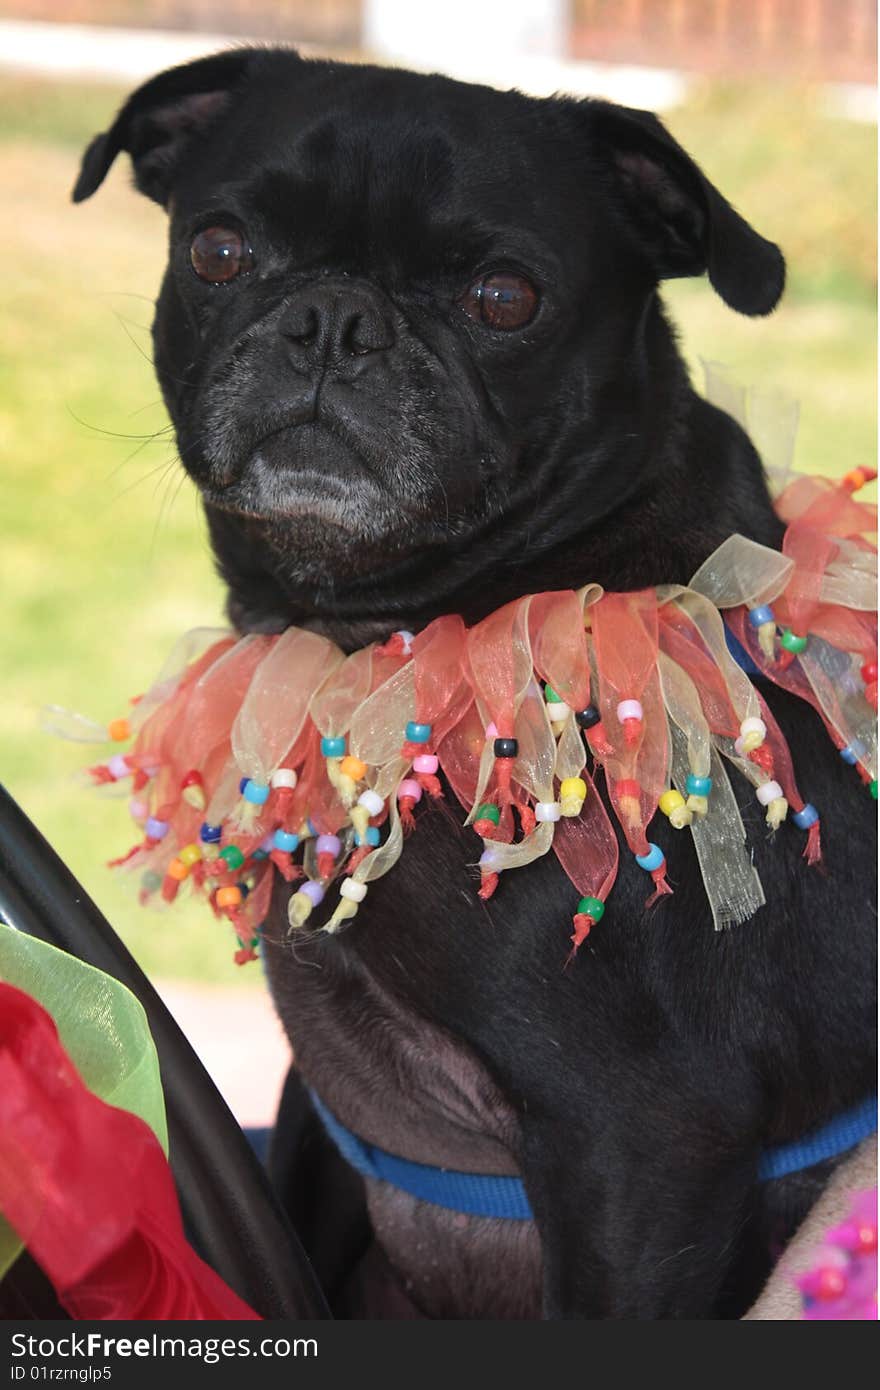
x=366, y=331
x=301, y=324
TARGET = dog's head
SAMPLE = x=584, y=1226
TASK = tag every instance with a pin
x=396, y=307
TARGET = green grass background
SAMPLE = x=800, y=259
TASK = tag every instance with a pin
x=104, y=559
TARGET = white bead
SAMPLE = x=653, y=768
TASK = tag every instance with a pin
x=548, y=810
x=557, y=711
x=752, y=725
x=351, y=889
x=489, y=861
x=407, y=638
x=738, y=747
x=371, y=801
x=285, y=777
x=767, y=792
x=629, y=709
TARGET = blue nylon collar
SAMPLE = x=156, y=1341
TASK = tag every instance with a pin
x=487, y=1195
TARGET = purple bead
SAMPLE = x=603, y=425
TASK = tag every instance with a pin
x=156, y=829
x=313, y=891
x=328, y=844
x=267, y=843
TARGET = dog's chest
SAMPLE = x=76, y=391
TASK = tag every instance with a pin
x=408, y=1086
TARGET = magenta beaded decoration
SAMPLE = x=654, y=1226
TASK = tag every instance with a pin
x=841, y=1283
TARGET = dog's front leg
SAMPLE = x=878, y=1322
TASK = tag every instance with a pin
x=639, y=1212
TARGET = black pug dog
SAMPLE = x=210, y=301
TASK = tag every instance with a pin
x=411, y=341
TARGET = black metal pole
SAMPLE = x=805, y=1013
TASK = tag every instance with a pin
x=228, y=1205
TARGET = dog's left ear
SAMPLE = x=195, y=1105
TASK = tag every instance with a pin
x=680, y=220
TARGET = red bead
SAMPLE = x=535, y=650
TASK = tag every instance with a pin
x=866, y=1239
x=831, y=1283
x=869, y=672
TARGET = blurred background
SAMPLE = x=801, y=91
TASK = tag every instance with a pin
x=104, y=559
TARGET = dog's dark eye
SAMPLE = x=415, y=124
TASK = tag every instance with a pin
x=501, y=300
x=219, y=254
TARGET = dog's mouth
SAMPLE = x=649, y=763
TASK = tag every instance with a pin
x=305, y=471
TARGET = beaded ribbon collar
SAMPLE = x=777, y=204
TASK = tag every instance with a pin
x=263, y=755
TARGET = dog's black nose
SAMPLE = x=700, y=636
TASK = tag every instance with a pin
x=335, y=321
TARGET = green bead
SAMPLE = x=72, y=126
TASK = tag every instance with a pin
x=551, y=697
x=233, y=856
x=791, y=642
x=488, y=812
x=151, y=881
x=874, y=788
x=591, y=907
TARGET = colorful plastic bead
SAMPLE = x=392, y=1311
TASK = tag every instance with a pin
x=587, y=718
x=119, y=730
x=137, y=809
x=874, y=788
x=371, y=801
x=118, y=767
x=257, y=793
x=868, y=672
x=572, y=795
x=372, y=837
x=548, y=811
x=426, y=763
x=351, y=889
x=407, y=639
x=591, y=907
x=629, y=709
x=177, y=870
x=489, y=862
x=190, y=854
x=210, y=834
x=232, y=856
x=670, y=801
x=353, y=767
x=418, y=733
x=230, y=896
x=312, y=890
x=328, y=844
x=761, y=615
x=654, y=859
x=853, y=752
x=792, y=642
x=285, y=777
x=697, y=786
x=505, y=748
x=767, y=792
x=409, y=789
x=156, y=829
x=151, y=882
x=285, y=840
x=333, y=747
x=807, y=817
x=752, y=732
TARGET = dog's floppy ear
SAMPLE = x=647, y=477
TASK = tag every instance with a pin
x=679, y=218
x=159, y=121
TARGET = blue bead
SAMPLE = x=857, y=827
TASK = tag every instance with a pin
x=210, y=834
x=372, y=838
x=333, y=747
x=698, y=786
x=805, y=818
x=242, y=783
x=417, y=733
x=243, y=890
x=257, y=793
x=654, y=859
x=259, y=854
x=285, y=841
x=311, y=827
x=853, y=752
x=760, y=615
x=156, y=829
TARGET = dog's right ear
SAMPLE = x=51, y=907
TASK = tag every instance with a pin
x=160, y=120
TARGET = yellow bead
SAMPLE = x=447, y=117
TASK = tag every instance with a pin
x=670, y=801
x=353, y=767
x=573, y=787
x=189, y=855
